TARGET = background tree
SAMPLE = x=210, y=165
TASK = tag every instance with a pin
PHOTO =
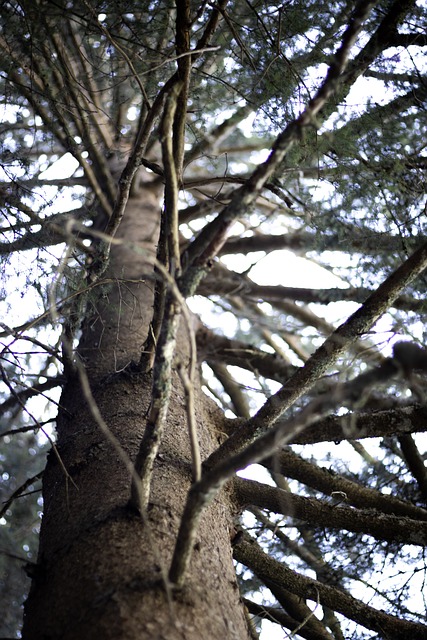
x=152, y=155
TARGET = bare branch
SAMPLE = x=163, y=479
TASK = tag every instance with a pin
x=20, y=490
x=220, y=349
x=356, y=240
x=277, y=615
x=254, y=291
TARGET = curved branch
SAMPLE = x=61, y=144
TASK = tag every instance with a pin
x=299, y=610
x=278, y=616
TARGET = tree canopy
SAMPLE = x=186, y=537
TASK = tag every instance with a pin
x=281, y=148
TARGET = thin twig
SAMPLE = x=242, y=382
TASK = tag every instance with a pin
x=191, y=53
x=306, y=619
x=19, y=491
x=39, y=425
x=187, y=383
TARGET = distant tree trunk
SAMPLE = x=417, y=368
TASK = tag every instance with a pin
x=101, y=570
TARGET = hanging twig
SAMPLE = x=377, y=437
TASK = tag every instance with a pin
x=128, y=464
x=187, y=383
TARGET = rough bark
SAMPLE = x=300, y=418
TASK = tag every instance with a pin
x=101, y=567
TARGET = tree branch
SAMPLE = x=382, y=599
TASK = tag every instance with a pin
x=278, y=616
x=254, y=291
x=395, y=421
x=351, y=239
x=291, y=465
x=343, y=337
x=320, y=513
x=215, y=348
x=267, y=568
x=220, y=468
x=162, y=371
x=213, y=236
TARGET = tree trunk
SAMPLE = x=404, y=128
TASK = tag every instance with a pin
x=101, y=569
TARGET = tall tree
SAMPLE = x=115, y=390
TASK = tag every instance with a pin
x=143, y=146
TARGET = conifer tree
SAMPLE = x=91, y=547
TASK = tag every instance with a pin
x=170, y=173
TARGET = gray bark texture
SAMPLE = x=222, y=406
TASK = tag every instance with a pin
x=101, y=567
